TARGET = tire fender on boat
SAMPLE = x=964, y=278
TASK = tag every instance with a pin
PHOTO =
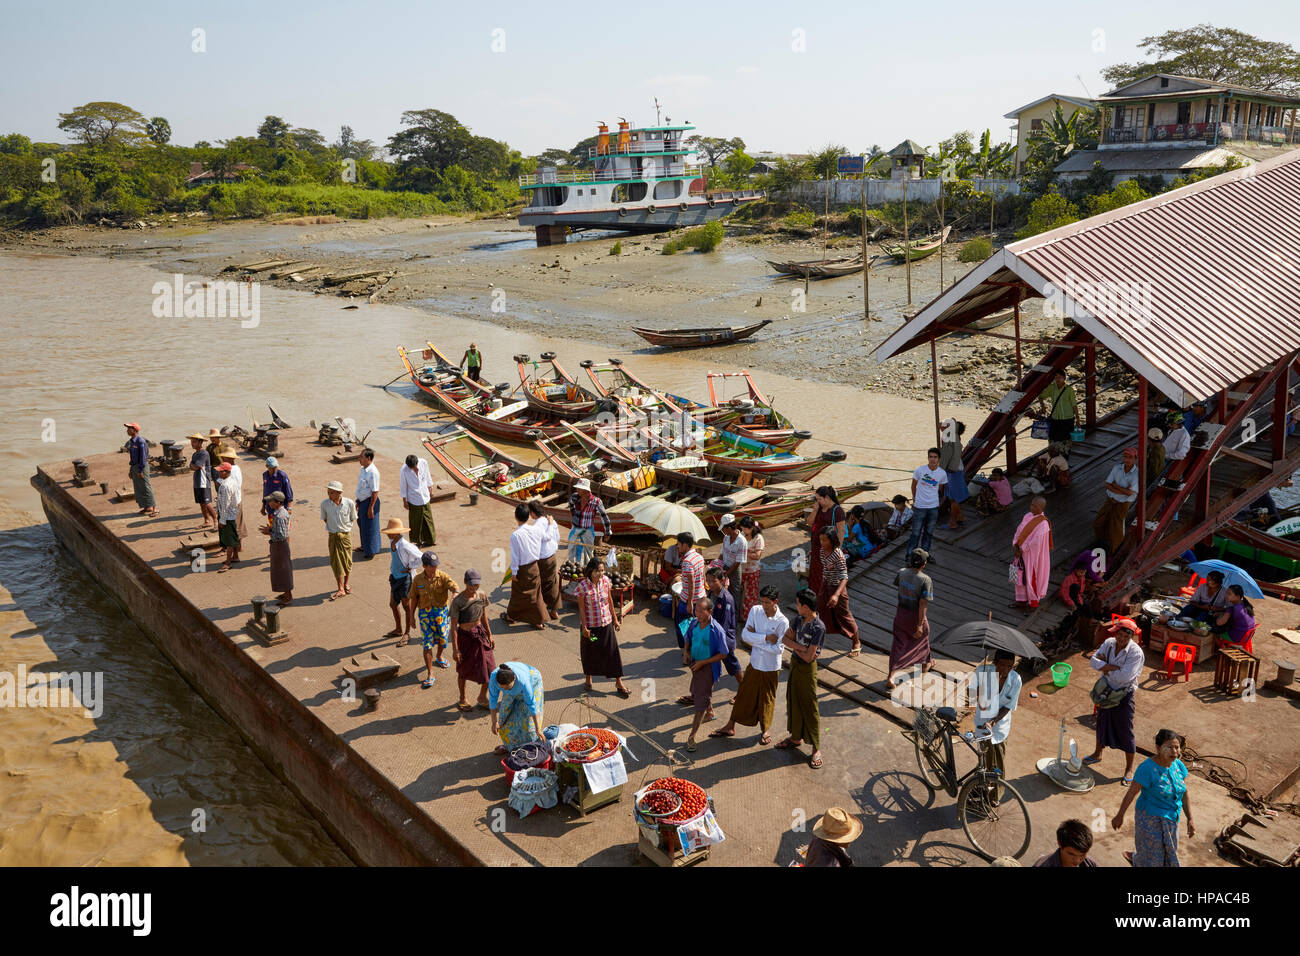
x=833, y=455
x=803, y=434
x=684, y=206
x=622, y=210
x=712, y=203
x=650, y=209
x=721, y=503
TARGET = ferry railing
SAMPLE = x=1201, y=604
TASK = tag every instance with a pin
x=579, y=176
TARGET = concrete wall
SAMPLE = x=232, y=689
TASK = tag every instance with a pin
x=848, y=192
x=373, y=821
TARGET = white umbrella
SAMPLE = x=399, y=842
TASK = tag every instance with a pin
x=665, y=517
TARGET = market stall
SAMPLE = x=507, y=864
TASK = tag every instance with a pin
x=676, y=822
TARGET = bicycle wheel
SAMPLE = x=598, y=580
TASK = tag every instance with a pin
x=996, y=826
x=934, y=758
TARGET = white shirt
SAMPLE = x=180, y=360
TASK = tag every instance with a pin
x=415, y=484
x=1125, y=479
x=409, y=555
x=1129, y=660
x=237, y=480
x=1177, y=444
x=899, y=518
x=548, y=536
x=227, y=506
x=338, y=517
x=367, y=484
x=734, y=550
x=525, y=546
x=989, y=700
x=927, y=486
x=758, y=627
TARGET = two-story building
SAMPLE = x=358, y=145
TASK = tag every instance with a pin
x=1168, y=125
x=1031, y=117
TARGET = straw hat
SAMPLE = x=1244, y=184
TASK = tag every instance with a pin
x=838, y=826
x=334, y=486
x=197, y=436
x=582, y=484
x=1155, y=434
x=214, y=435
x=230, y=455
x=395, y=526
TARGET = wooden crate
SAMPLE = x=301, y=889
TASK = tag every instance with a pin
x=662, y=858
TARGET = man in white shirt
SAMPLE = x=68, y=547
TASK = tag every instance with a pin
x=237, y=482
x=1120, y=660
x=928, y=483
x=405, y=560
x=525, y=582
x=548, y=566
x=339, y=513
x=734, y=553
x=227, y=516
x=1121, y=491
x=997, y=692
x=417, y=493
x=763, y=633
x=367, y=501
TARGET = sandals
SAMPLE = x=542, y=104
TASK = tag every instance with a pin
x=765, y=739
x=788, y=744
x=1125, y=781
x=723, y=733
x=624, y=693
x=463, y=707
x=441, y=663
x=1091, y=760
x=427, y=683
x=686, y=700
x=856, y=652
x=691, y=746
x=815, y=762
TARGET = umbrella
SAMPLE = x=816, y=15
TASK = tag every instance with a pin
x=971, y=641
x=1231, y=575
x=665, y=517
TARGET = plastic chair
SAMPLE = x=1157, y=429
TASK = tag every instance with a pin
x=1245, y=644
x=1184, y=654
x=1192, y=584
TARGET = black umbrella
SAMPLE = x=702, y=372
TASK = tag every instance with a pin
x=972, y=641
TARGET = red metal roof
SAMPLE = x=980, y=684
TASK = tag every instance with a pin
x=1195, y=289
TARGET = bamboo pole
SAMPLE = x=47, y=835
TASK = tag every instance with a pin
x=907, y=251
x=826, y=216
x=941, y=233
x=866, y=297
x=934, y=387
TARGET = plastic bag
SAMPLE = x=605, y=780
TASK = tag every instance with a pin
x=611, y=559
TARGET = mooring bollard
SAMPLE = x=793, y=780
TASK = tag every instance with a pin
x=272, y=617
x=473, y=497
x=80, y=468
x=371, y=696
x=259, y=604
x=103, y=487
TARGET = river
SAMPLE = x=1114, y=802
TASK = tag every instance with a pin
x=158, y=777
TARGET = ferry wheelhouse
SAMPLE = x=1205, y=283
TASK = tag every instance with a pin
x=642, y=179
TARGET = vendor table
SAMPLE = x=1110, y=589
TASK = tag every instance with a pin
x=585, y=801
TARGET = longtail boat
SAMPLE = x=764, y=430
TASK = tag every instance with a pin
x=695, y=338
x=556, y=393
x=489, y=410
x=615, y=381
x=819, y=268
x=476, y=464
x=755, y=417
x=917, y=248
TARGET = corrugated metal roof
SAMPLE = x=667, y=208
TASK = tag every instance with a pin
x=1147, y=159
x=1195, y=289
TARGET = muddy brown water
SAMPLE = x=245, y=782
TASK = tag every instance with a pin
x=158, y=777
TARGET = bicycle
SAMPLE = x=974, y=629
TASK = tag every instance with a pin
x=993, y=815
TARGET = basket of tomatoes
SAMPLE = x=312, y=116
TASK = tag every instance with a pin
x=691, y=804
x=587, y=745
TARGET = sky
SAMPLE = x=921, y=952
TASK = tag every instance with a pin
x=783, y=76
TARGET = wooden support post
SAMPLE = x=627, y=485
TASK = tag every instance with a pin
x=866, y=264
x=934, y=384
x=1281, y=399
x=907, y=248
x=1020, y=369
x=1142, y=459
x=1090, y=389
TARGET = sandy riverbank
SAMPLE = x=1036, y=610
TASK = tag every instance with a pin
x=490, y=270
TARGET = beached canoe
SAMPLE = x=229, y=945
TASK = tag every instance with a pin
x=695, y=338
x=549, y=388
x=616, y=381
x=917, y=248
x=755, y=418
x=820, y=268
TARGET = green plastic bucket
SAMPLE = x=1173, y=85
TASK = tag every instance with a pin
x=1061, y=674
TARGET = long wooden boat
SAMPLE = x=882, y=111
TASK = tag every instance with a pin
x=755, y=417
x=735, y=457
x=474, y=463
x=615, y=380
x=917, y=248
x=480, y=407
x=695, y=338
x=556, y=393
x=819, y=268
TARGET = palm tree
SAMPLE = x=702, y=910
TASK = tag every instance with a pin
x=1060, y=135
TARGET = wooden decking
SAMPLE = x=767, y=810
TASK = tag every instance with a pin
x=970, y=579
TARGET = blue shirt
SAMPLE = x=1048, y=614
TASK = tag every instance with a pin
x=724, y=610
x=279, y=481
x=139, y=453
x=702, y=644
x=528, y=685
x=1162, y=790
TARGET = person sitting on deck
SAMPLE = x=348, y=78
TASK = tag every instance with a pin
x=1235, y=621
x=671, y=563
x=996, y=495
x=1155, y=456
x=1052, y=468
x=1076, y=587
x=862, y=538
x=1208, y=600
x=900, y=519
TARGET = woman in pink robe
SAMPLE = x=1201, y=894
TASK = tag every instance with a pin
x=1033, y=547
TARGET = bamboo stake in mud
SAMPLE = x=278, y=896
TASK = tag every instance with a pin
x=866, y=266
x=907, y=250
x=934, y=387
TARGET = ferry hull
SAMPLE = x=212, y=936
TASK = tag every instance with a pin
x=634, y=219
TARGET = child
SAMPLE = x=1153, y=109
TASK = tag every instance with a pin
x=862, y=538
x=900, y=519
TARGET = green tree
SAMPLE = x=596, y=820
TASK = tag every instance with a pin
x=825, y=161
x=274, y=131
x=104, y=123
x=433, y=139
x=1123, y=194
x=349, y=147
x=1213, y=53
x=15, y=144
x=715, y=148
x=1049, y=211
x=158, y=130
x=736, y=167
x=556, y=157
x=308, y=140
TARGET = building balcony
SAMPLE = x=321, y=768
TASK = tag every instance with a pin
x=1198, y=134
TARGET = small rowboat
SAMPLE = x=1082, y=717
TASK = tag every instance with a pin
x=820, y=268
x=917, y=248
x=615, y=381
x=755, y=418
x=558, y=393
x=694, y=338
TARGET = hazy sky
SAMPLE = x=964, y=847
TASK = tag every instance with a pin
x=868, y=72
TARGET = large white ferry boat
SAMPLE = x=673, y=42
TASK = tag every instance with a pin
x=642, y=180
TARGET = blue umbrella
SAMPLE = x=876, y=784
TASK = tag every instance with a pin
x=1231, y=575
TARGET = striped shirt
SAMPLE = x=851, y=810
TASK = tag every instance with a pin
x=584, y=516
x=692, y=578
x=834, y=567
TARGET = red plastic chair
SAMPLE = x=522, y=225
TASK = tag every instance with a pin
x=1192, y=584
x=1246, y=644
x=1175, y=654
